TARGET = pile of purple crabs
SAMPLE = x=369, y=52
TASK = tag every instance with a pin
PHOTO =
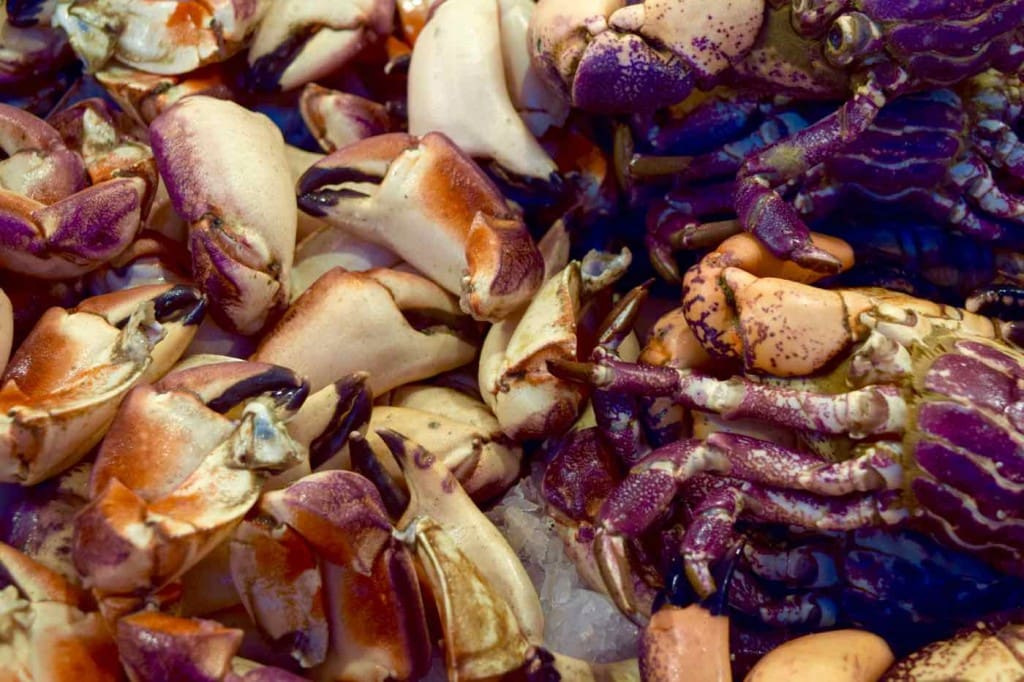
x=331, y=330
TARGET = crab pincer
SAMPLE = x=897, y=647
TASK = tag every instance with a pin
x=228, y=177
x=426, y=201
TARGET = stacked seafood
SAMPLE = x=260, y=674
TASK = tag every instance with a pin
x=337, y=332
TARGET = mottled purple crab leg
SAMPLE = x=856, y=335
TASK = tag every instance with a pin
x=749, y=596
x=872, y=410
x=724, y=500
x=764, y=212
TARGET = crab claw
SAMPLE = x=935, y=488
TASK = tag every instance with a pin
x=227, y=175
x=435, y=492
x=182, y=463
x=527, y=399
x=147, y=95
x=426, y=201
x=158, y=36
x=299, y=42
x=63, y=385
x=459, y=88
x=610, y=57
x=38, y=165
x=339, y=118
x=41, y=614
x=396, y=325
x=373, y=609
x=482, y=638
x=156, y=647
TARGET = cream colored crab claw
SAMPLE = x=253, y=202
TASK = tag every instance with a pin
x=457, y=428
x=435, y=492
x=459, y=88
x=63, y=385
x=397, y=326
x=182, y=463
x=426, y=201
x=158, y=36
x=46, y=635
x=529, y=401
x=228, y=177
x=482, y=637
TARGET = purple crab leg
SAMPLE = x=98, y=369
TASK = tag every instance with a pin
x=763, y=211
x=747, y=595
x=724, y=500
x=872, y=410
x=675, y=224
x=974, y=177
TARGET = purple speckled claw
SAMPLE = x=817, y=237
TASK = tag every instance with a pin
x=339, y=118
x=602, y=53
x=227, y=175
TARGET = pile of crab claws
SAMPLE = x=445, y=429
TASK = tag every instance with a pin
x=159, y=647
x=459, y=88
x=107, y=345
x=426, y=201
x=482, y=637
x=47, y=631
x=157, y=36
x=339, y=118
x=435, y=492
x=228, y=177
x=416, y=328
x=296, y=43
x=304, y=566
x=528, y=400
x=212, y=434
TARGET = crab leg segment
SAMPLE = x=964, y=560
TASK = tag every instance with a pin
x=227, y=175
x=427, y=201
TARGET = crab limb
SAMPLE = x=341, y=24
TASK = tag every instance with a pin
x=458, y=88
x=54, y=412
x=426, y=201
x=228, y=176
x=340, y=118
x=212, y=434
x=38, y=165
x=158, y=36
x=300, y=42
x=41, y=614
x=340, y=516
x=435, y=492
x=415, y=327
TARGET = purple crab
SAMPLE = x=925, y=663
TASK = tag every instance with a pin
x=910, y=413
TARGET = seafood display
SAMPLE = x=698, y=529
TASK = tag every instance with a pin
x=596, y=340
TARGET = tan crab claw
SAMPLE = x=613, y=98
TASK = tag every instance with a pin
x=183, y=462
x=299, y=42
x=459, y=88
x=158, y=36
x=482, y=637
x=227, y=174
x=46, y=633
x=398, y=326
x=63, y=385
x=458, y=429
x=157, y=646
x=435, y=492
x=340, y=118
x=529, y=401
x=346, y=595
x=426, y=201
